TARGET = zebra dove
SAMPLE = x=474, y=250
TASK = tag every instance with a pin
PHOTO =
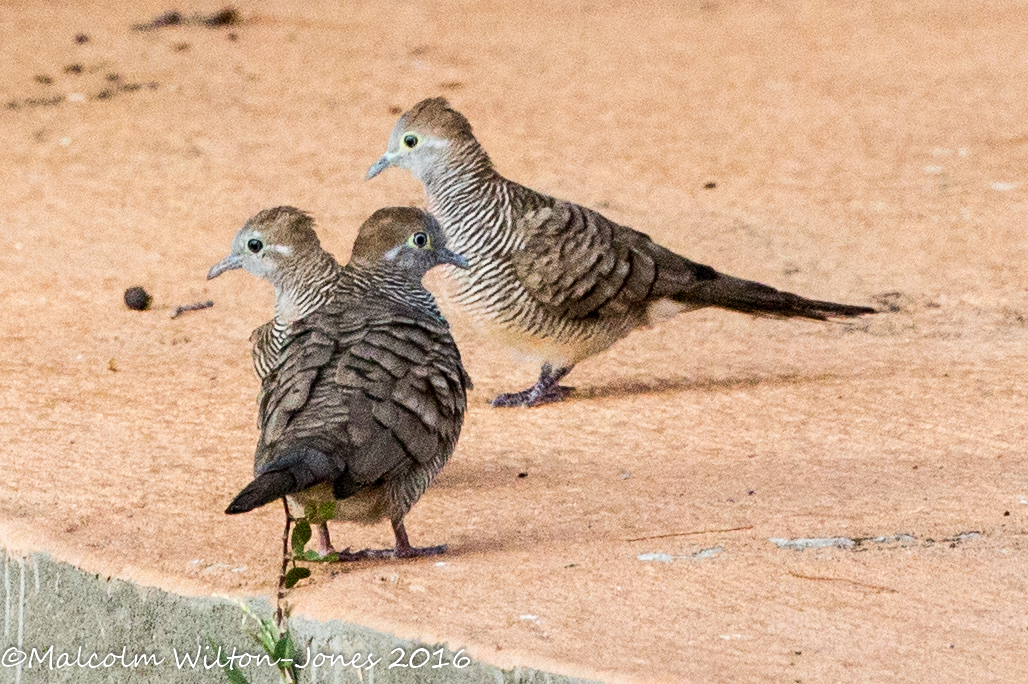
x=363, y=391
x=555, y=280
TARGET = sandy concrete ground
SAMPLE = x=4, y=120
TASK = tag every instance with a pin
x=858, y=149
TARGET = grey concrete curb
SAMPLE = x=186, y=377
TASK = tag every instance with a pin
x=88, y=628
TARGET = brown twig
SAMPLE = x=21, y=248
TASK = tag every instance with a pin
x=196, y=306
x=687, y=534
x=848, y=581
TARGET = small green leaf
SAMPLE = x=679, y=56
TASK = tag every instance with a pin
x=301, y=535
x=234, y=675
x=283, y=648
x=295, y=575
x=310, y=555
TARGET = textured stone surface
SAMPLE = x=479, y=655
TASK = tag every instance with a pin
x=61, y=624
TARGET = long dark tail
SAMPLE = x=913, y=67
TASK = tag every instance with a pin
x=289, y=474
x=698, y=286
x=747, y=296
x=264, y=489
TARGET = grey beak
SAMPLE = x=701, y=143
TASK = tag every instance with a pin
x=449, y=257
x=229, y=263
x=383, y=163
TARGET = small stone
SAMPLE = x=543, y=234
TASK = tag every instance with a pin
x=655, y=557
x=171, y=18
x=137, y=299
x=226, y=17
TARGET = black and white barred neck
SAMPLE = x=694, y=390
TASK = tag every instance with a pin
x=300, y=292
x=477, y=209
x=295, y=297
x=469, y=199
x=382, y=280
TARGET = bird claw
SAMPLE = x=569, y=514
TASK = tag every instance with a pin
x=534, y=396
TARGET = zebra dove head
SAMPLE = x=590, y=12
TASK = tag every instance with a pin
x=424, y=139
x=272, y=244
x=408, y=238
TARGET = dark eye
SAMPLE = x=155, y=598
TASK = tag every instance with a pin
x=420, y=239
x=255, y=245
x=410, y=140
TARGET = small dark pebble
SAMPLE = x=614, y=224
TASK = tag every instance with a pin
x=396, y=110
x=113, y=77
x=170, y=18
x=1006, y=513
x=751, y=492
x=105, y=94
x=710, y=186
x=226, y=17
x=233, y=36
x=81, y=38
x=73, y=69
x=129, y=87
x=522, y=475
x=180, y=47
x=44, y=79
x=137, y=299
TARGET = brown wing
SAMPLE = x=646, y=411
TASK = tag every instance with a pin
x=370, y=390
x=581, y=264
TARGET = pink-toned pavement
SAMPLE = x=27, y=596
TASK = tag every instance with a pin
x=869, y=153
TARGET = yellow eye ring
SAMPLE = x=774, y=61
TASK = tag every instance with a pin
x=419, y=241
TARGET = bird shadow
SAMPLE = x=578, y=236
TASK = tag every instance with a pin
x=624, y=388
